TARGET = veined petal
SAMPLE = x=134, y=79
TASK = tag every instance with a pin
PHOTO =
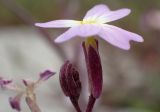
x=59, y=24
x=87, y=30
x=114, y=15
x=95, y=12
x=67, y=35
x=119, y=37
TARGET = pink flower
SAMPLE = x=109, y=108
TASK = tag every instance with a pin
x=94, y=23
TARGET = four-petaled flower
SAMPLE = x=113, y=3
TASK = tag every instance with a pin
x=94, y=24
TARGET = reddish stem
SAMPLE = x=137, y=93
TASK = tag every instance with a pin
x=91, y=103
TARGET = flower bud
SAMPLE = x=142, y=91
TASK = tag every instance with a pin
x=15, y=102
x=94, y=68
x=70, y=83
x=69, y=80
x=4, y=83
x=46, y=75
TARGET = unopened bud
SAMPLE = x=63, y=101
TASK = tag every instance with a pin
x=4, y=83
x=46, y=75
x=70, y=83
x=15, y=102
x=69, y=80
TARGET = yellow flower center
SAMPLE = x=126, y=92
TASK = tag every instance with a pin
x=88, y=22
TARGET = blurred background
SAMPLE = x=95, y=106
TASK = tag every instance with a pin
x=131, y=78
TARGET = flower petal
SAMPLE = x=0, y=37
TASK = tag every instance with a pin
x=119, y=37
x=95, y=12
x=46, y=75
x=67, y=35
x=58, y=24
x=87, y=30
x=114, y=15
x=102, y=14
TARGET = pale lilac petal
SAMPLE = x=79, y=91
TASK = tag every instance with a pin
x=119, y=37
x=84, y=30
x=59, y=24
x=96, y=11
x=130, y=35
x=102, y=14
x=46, y=75
x=87, y=30
x=114, y=15
x=72, y=32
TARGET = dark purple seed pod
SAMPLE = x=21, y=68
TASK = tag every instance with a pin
x=94, y=68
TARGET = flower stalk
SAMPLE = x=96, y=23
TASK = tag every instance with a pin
x=91, y=103
x=32, y=105
x=31, y=97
